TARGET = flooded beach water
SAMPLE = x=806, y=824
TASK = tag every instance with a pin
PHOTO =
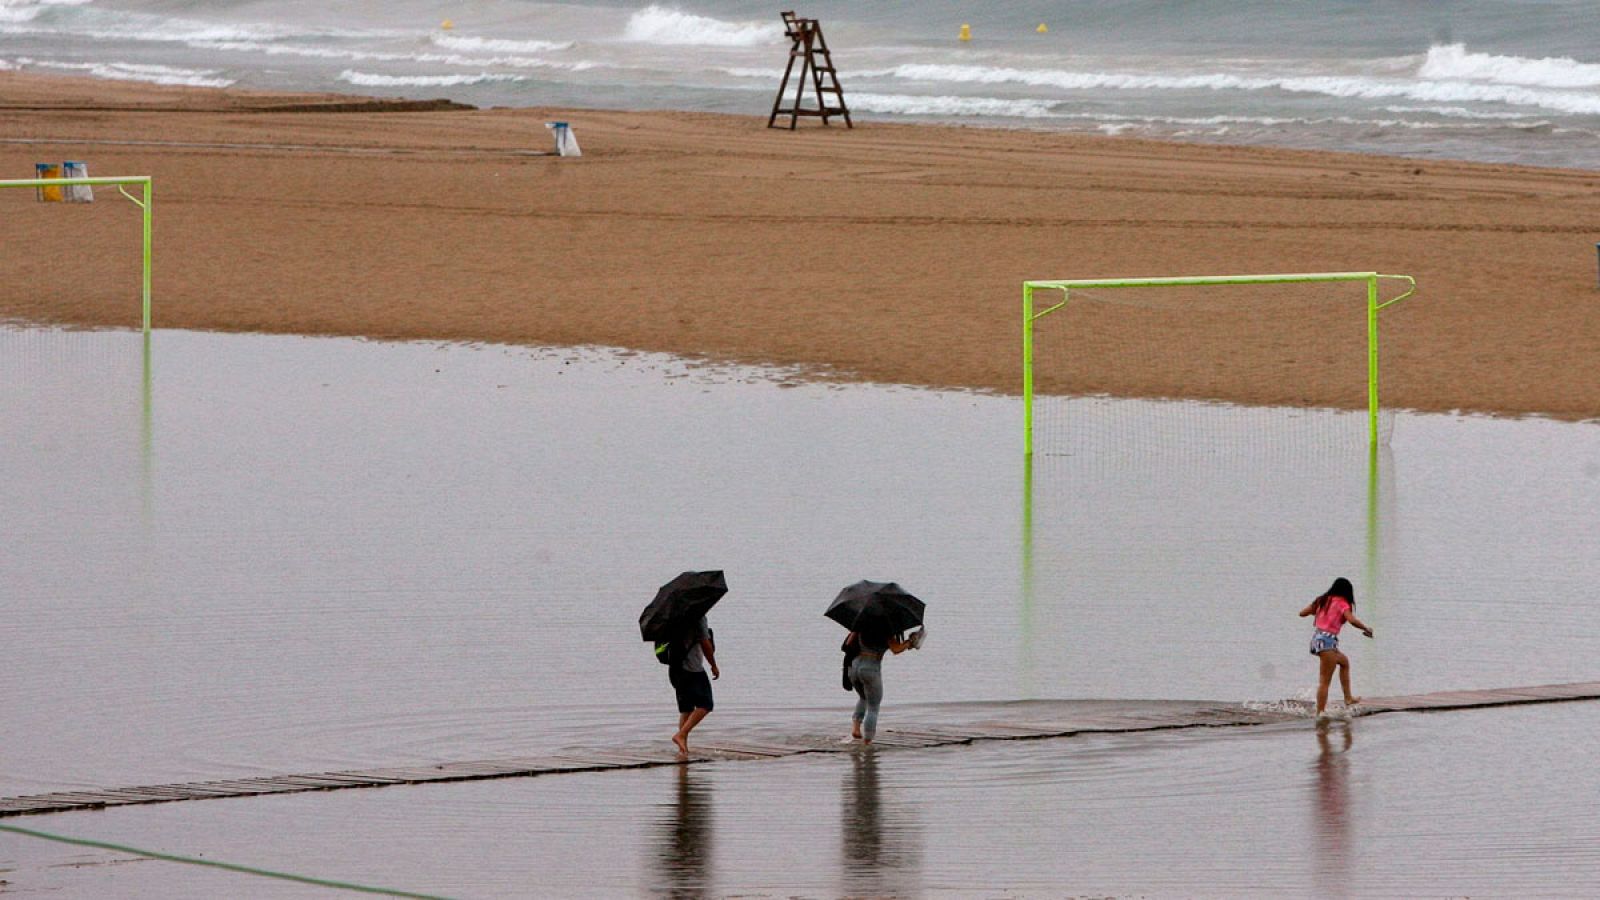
x=1380, y=807
x=261, y=555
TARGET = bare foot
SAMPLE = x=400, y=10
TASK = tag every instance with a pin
x=683, y=744
x=1351, y=701
x=856, y=733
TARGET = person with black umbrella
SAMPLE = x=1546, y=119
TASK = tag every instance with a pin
x=877, y=614
x=676, y=621
x=689, y=681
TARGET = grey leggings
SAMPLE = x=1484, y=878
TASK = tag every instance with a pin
x=866, y=673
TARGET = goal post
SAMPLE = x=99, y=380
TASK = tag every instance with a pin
x=1032, y=314
x=143, y=202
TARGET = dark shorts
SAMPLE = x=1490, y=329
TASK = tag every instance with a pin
x=693, y=689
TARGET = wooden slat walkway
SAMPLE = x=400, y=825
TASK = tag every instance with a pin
x=1091, y=718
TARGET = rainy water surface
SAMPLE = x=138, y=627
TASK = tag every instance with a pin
x=245, y=555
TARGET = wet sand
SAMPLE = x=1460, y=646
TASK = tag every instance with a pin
x=890, y=252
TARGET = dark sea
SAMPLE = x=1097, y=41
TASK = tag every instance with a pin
x=1486, y=80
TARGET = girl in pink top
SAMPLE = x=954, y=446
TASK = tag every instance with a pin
x=1331, y=611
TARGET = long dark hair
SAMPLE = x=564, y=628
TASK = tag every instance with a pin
x=1341, y=588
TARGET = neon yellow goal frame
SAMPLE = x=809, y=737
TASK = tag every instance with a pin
x=143, y=204
x=1031, y=314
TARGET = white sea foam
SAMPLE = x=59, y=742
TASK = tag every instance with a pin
x=446, y=59
x=7, y=66
x=912, y=105
x=152, y=29
x=25, y=10
x=1575, y=102
x=1343, y=86
x=659, y=25
x=496, y=45
x=1454, y=61
x=1460, y=112
x=747, y=72
x=370, y=79
x=122, y=71
x=96, y=23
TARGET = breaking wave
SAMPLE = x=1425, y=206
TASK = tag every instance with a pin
x=122, y=71
x=1343, y=86
x=659, y=25
x=25, y=10
x=370, y=79
x=445, y=59
x=495, y=45
x=908, y=105
x=1454, y=61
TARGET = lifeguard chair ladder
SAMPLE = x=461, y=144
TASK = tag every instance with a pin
x=817, y=67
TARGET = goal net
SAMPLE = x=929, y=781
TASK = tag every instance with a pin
x=71, y=253
x=1224, y=364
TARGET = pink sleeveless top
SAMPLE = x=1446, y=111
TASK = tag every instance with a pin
x=1331, y=617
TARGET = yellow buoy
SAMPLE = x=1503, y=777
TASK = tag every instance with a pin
x=1042, y=29
x=966, y=32
x=447, y=25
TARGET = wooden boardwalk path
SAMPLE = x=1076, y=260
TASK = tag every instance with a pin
x=1045, y=721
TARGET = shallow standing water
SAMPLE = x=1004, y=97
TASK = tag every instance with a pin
x=282, y=554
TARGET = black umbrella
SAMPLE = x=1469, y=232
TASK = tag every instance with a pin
x=876, y=607
x=680, y=604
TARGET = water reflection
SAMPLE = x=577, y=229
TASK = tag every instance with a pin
x=1380, y=510
x=684, y=840
x=146, y=435
x=1330, y=811
x=881, y=841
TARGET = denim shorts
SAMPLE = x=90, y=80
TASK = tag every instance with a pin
x=1322, y=641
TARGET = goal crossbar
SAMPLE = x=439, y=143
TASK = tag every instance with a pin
x=143, y=202
x=1031, y=314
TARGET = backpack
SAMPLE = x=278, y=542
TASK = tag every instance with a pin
x=852, y=649
x=669, y=653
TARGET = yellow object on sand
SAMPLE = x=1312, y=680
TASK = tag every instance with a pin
x=447, y=25
x=1042, y=29
x=966, y=32
x=50, y=193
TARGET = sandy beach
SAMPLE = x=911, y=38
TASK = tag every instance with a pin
x=889, y=252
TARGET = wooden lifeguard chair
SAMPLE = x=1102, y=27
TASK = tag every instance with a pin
x=817, y=67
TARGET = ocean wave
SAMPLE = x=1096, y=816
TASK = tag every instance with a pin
x=100, y=24
x=496, y=45
x=7, y=66
x=659, y=25
x=446, y=59
x=1223, y=124
x=1454, y=61
x=26, y=10
x=746, y=72
x=164, y=30
x=1342, y=86
x=911, y=105
x=370, y=79
x=1460, y=112
x=146, y=72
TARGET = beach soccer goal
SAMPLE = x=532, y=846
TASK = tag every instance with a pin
x=1282, y=342
x=68, y=190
